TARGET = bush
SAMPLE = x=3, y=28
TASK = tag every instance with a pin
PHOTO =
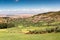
x=49, y=30
x=10, y=25
x=3, y=25
x=45, y=30
x=36, y=32
x=6, y=25
x=58, y=29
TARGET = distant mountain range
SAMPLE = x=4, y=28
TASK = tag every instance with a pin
x=17, y=15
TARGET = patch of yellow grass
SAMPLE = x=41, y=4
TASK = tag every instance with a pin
x=24, y=31
x=3, y=30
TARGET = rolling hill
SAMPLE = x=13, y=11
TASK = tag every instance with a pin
x=42, y=19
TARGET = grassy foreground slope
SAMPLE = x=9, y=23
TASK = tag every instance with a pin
x=18, y=36
x=9, y=34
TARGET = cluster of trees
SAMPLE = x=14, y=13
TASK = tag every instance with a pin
x=6, y=23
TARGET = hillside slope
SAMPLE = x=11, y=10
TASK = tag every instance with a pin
x=48, y=18
x=42, y=19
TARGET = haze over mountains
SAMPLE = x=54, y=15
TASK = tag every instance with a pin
x=16, y=15
x=20, y=15
x=28, y=15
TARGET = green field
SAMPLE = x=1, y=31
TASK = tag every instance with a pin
x=7, y=35
x=15, y=34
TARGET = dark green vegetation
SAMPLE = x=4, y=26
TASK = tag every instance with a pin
x=4, y=23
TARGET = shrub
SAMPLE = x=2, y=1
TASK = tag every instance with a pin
x=58, y=29
x=49, y=30
x=9, y=25
x=36, y=32
x=45, y=30
x=6, y=25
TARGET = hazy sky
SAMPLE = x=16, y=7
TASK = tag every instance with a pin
x=28, y=6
